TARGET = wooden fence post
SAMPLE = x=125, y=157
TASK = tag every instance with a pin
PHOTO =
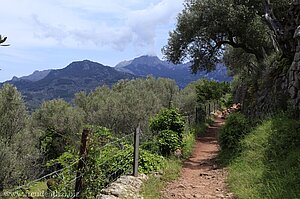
x=136, y=151
x=81, y=163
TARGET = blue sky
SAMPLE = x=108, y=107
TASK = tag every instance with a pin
x=46, y=34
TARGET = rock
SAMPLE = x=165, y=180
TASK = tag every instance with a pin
x=204, y=174
x=220, y=196
x=181, y=186
x=197, y=196
x=126, y=187
x=187, y=195
x=293, y=92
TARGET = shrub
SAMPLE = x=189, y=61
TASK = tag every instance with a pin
x=169, y=126
x=235, y=128
x=168, y=119
x=149, y=162
x=168, y=142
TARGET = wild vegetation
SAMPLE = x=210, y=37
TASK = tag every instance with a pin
x=46, y=142
x=263, y=161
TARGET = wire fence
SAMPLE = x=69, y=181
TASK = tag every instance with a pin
x=104, y=164
x=205, y=111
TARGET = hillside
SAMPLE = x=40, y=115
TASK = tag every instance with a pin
x=64, y=83
x=181, y=73
x=87, y=75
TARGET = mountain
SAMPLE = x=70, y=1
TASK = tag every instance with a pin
x=35, y=76
x=87, y=75
x=181, y=73
x=64, y=83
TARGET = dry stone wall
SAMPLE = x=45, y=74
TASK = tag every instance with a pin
x=294, y=73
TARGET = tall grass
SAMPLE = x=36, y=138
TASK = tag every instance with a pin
x=269, y=163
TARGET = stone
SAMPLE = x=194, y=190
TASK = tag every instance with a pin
x=187, y=195
x=197, y=196
x=297, y=57
x=293, y=92
x=204, y=174
x=124, y=188
x=291, y=76
x=181, y=186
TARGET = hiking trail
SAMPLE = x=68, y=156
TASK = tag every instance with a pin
x=201, y=177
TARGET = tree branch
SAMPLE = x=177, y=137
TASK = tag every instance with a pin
x=242, y=46
x=271, y=19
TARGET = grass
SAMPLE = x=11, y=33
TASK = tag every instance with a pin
x=269, y=164
x=152, y=188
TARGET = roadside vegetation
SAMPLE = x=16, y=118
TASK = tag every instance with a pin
x=263, y=159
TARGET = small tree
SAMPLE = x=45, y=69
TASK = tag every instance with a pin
x=60, y=123
x=18, y=152
x=169, y=126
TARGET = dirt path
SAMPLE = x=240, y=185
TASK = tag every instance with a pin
x=201, y=177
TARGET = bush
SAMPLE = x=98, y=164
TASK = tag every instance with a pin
x=168, y=119
x=149, y=162
x=235, y=128
x=169, y=126
x=168, y=142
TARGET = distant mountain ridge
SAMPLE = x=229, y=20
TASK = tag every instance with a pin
x=87, y=75
x=64, y=83
x=181, y=73
x=35, y=76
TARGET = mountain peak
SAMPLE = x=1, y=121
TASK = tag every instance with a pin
x=147, y=60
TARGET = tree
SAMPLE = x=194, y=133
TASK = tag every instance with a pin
x=206, y=27
x=60, y=124
x=128, y=103
x=13, y=114
x=18, y=151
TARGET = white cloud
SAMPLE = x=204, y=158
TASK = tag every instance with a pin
x=73, y=23
x=51, y=33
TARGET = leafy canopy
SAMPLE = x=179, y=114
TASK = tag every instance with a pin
x=206, y=27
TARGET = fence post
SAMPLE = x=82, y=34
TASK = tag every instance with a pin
x=81, y=162
x=136, y=151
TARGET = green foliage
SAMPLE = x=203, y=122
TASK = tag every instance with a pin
x=13, y=114
x=269, y=164
x=149, y=162
x=235, y=128
x=211, y=90
x=169, y=126
x=127, y=103
x=188, y=144
x=205, y=26
x=18, y=151
x=61, y=124
x=168, y=119
x=108, y=158
x=168, y=141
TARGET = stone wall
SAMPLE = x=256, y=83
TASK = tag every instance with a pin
x=294, y=74
x=126, y=187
